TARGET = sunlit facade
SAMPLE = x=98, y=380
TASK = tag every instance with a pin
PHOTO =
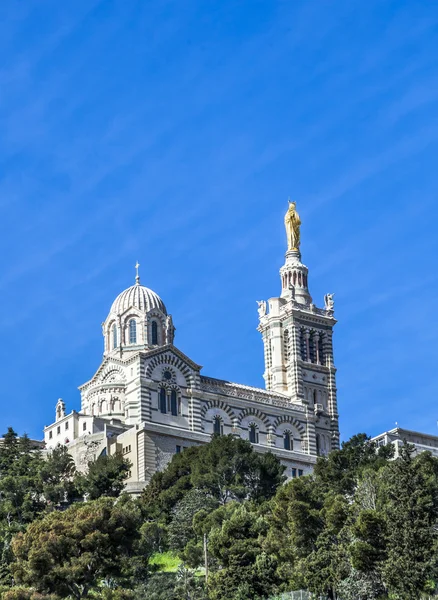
x=149, y=400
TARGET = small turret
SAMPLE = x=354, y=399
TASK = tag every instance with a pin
x=60, y=409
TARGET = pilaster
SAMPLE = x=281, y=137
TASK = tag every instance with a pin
x=295, y=378
x=311, y=432
x=195, y=419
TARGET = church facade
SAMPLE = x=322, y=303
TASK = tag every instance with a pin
x=149, y=400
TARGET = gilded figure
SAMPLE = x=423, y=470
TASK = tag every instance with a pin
x=292, y=223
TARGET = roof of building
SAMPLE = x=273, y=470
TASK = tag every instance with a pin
x=400, y=432
x=35, y=444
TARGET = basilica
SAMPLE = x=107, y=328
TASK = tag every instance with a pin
x=148, y=400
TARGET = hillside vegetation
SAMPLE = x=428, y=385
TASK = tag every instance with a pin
x=219, y=523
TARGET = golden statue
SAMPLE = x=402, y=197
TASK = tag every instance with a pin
x=292, y=223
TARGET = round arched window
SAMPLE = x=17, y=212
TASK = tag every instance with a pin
x=154, y=333
x=253, y=434
x=132, y=331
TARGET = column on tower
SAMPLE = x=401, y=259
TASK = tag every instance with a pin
x=295, y=388
x=277, y=370
x=311, y=431
x=332, y=390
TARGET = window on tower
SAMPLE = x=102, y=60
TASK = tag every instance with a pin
x=312, y=349
x=303, y=348
x=114, y=336
x=253, y=434
x=217, y=426
x=287, y=441
x=321, y=349
x=173, y=403
x=154, y=328
x=163, y=407
x=132, y=331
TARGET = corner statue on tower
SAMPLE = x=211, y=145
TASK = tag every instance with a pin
x=292, y=223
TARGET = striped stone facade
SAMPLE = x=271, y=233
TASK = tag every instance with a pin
x=149, y=401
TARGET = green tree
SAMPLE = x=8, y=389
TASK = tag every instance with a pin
x=242, y=568
x=225, y=469
x=105, y=476
x=322, y=526
x=168, y=487
x=71, y=552
x=180, y=529
x=20, y=593
x=411, y=514
x=57, y=474
x=340, y=471
x=160, y=586
x=229, y=469
x=20, y=490
x=361, y=526
x=188, y=586
x=21, y=497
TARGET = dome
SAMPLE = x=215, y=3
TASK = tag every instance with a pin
x=137, y=296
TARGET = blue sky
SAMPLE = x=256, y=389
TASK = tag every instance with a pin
x=172, y=133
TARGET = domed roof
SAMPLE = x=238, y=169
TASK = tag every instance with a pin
x=137, y=296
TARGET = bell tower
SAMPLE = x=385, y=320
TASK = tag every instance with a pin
x=298, y=348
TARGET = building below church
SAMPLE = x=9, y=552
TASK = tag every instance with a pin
x=149, y=400
x=398, y=437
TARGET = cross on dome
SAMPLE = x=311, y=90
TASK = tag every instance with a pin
x=137, y=277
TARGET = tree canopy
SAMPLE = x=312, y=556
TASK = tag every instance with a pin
x=225, y=469
x=363, y=526
x=68, y=552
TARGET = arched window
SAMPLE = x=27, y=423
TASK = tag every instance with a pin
x=318, y=444
x=287, y=441
x=217, y=426
x=303, y=345
x=312, y=349
x=132, y=331
x=154, y=328
x=253, y=434
x=173, y=403
x=321, y=349
x=114, y=336
x=163, y=407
